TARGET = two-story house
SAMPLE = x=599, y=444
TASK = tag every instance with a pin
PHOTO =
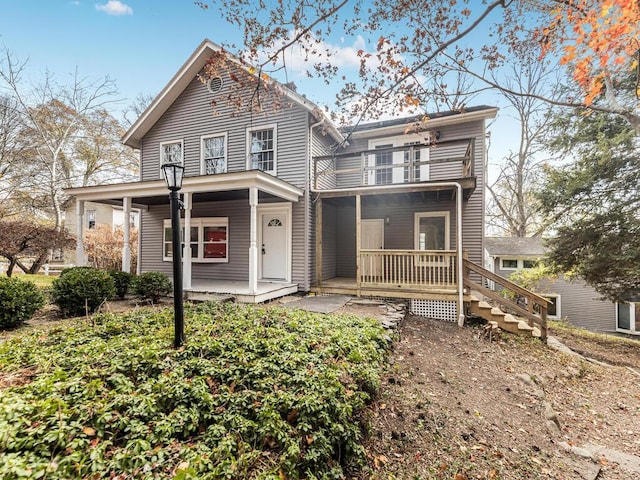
x=279, y=200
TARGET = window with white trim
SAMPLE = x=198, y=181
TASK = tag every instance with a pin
x=432, y=231
x=401, y=165
x=261, y=149
x=554, y=305
x=209, y=240
x=91, y=219
x=171, y=152
x=508, y=264
x=213, y=150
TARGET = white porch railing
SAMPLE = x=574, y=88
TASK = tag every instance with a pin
x=410, y=269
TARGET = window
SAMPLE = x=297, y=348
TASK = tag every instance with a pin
x=529, y=263
x=209, y=239
x=509, y=264
x=384, y=176
x=91, y=219
x=399, y=166
x=553, y=307
x=261, y=145
x=171, y=152
x=415, y=161
x=214, y=154
x=432, y=231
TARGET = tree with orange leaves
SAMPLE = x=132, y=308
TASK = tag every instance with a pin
x=411, y=46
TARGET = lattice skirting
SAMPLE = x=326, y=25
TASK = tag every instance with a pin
x=438, y=309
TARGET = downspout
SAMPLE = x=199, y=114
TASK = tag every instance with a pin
x=307, y=207
x=460, y=259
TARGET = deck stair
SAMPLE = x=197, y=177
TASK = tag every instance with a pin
x=505, y=321
x=515, y=309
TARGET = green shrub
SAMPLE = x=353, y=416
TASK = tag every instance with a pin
x=256, y=393
x=122, y=281
x=81, y=290
x=19, y=300
x=151, y=286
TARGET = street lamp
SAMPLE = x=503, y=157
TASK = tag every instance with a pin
x=173, y=174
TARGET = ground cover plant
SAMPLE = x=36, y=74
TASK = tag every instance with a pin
x=254, y=393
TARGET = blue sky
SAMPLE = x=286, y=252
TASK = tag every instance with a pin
x=140, y=44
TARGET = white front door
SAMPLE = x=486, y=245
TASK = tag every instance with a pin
x=372, y=238
x=274, y=245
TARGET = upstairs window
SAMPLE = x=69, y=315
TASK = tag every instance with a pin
x=214, y=154
x=171, y=152
x=262, y=149
x=91, y=219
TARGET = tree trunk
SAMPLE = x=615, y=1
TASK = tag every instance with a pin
x=35, y=267
x=12, y=264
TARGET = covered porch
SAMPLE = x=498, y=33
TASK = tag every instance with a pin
x=223, y=221
x=397, y=241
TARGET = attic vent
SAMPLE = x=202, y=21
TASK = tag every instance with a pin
x=214, y=85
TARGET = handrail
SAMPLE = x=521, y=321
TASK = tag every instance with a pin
x=534, y=301
x=465, y=157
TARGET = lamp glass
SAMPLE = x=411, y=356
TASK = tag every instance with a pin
x=173, y=174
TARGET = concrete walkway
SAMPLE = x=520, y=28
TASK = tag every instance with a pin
x=319, y=304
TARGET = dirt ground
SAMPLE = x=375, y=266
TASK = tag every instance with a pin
x=457, y=405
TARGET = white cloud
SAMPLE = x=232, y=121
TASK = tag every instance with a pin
x=301, y=58
x=75, y=2
x=115, y=7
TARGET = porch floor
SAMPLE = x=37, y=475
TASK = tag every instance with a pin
x=348, y=286
x=240, y=289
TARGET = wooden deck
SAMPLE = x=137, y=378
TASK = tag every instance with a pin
x=348, y=286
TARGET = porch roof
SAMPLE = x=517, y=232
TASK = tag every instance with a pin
x=206, y=187
x=468, y=185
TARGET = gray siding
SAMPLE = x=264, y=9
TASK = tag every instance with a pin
x=399, y=234
x=473, y=208
x=192, y=116
x=237, y=268
x=330, y=249
x=580, y=304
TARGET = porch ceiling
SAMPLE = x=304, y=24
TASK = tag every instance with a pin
x=224, y=186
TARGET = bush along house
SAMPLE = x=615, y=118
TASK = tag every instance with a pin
x=278, y=200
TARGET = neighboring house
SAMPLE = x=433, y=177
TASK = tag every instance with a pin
x=570, y=299
x=279, y=201
x=94, y=214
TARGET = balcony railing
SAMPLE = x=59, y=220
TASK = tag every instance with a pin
x=395, y=165
x=408, y=269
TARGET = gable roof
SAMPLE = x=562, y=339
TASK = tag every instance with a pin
x=514, y=246
x=183, y=78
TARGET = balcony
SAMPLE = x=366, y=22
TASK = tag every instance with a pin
x=415, y=164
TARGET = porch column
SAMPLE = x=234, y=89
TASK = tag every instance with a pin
x=358, y=242
x=126, y=227
x=253, y=241
x=319, y=242
x=186, y=258
x=79, y=227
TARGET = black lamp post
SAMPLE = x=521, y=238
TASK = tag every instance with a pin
x=173, y=174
